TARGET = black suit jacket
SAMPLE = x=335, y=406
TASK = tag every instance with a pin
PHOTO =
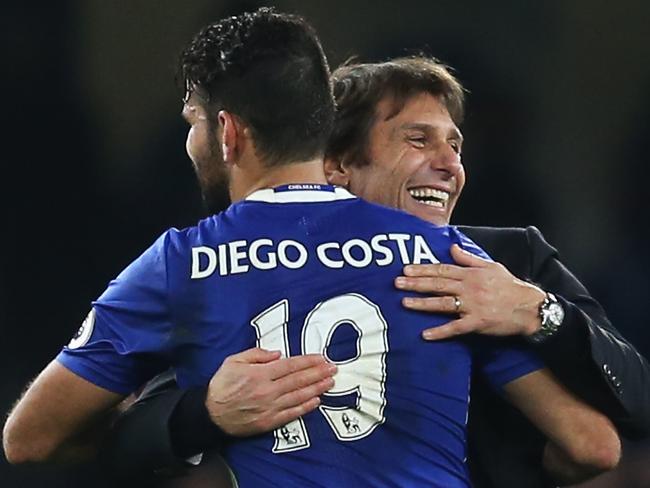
x=587, y=354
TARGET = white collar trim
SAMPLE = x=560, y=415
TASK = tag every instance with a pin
x=269, y=195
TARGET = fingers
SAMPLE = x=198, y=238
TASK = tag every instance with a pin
x=254, y=355
x=450, y=329
x=300, y=402
x=297, y=397
x=466, y=258
x=437, y=286
x=299, y=392
x=449, y=271
x=285, y=366
x=292, y=413
x=305, y=377
x=445, y=304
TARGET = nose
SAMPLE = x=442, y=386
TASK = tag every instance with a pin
x=445, y=159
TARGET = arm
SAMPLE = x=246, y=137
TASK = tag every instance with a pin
x=123, y=342
x=57, y=418
x=252, y=392
x=586, y=353
x=582, y=441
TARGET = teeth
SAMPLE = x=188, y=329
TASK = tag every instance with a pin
x=424, y=195
x=432, y=203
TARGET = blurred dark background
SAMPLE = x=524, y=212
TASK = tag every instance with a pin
x=95, y=166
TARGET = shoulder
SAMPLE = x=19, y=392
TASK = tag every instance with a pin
x=380, y=211
x=504, y=236
x=478, y=232
x=519, y=248
x=399, y=218
x=496, y=240
x=176, y=239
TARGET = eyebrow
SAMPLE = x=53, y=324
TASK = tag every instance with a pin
x=428, y=128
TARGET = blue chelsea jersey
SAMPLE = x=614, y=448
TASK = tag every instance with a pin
x=305, y=269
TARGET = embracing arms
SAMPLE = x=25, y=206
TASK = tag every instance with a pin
x=582, y=442
x=587, y=353
x=63, y=417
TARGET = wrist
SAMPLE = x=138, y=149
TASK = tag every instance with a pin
x=530, y=316
x=192, y=429
x=551, y=315
x=217, y=413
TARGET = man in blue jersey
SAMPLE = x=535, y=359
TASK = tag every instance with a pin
x=301, y=267
x=368, y=155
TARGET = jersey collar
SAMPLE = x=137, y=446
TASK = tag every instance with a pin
x=300, y=193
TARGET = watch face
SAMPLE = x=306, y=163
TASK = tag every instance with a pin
x=555, y=314
x=552, y=314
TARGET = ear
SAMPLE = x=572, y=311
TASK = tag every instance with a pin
x=336, y=172
x=230, y=134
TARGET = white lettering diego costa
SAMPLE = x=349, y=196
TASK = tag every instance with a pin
x=237, y=257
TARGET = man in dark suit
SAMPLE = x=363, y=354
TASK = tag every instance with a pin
x=387, y=148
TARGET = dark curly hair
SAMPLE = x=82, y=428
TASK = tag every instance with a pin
x=359, y=87
x=269, y=69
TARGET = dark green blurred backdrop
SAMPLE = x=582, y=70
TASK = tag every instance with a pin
x=557, y=136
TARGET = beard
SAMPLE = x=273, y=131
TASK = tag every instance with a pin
x=215, y=196
x=213, y=179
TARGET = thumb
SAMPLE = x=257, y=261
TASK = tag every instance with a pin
x=466, y=258
x=256, y=355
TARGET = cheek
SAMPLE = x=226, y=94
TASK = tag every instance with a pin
x=397, y=178
x=375, y=186
x=196, y=146
x=358, y=182
x=189, y=144
x=460, y=180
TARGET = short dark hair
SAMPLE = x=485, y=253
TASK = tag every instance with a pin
x=359, y=87
x=269, y=69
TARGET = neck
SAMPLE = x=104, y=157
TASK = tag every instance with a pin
x=311, y=171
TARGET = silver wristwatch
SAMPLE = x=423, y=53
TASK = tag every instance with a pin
x=551, y=314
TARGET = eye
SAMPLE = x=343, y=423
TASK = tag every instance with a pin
x=418, y=141
x=455, y=145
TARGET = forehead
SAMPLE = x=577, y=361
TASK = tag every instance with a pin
x=422, y=110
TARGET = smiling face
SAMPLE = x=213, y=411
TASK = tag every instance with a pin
x=414, y=161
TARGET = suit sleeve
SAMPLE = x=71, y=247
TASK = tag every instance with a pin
x=587, y=353
x=157, y=435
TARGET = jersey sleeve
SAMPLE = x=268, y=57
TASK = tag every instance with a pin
x=500, y=359
x=124, y=340
x=467, y=244
x=503, y=359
